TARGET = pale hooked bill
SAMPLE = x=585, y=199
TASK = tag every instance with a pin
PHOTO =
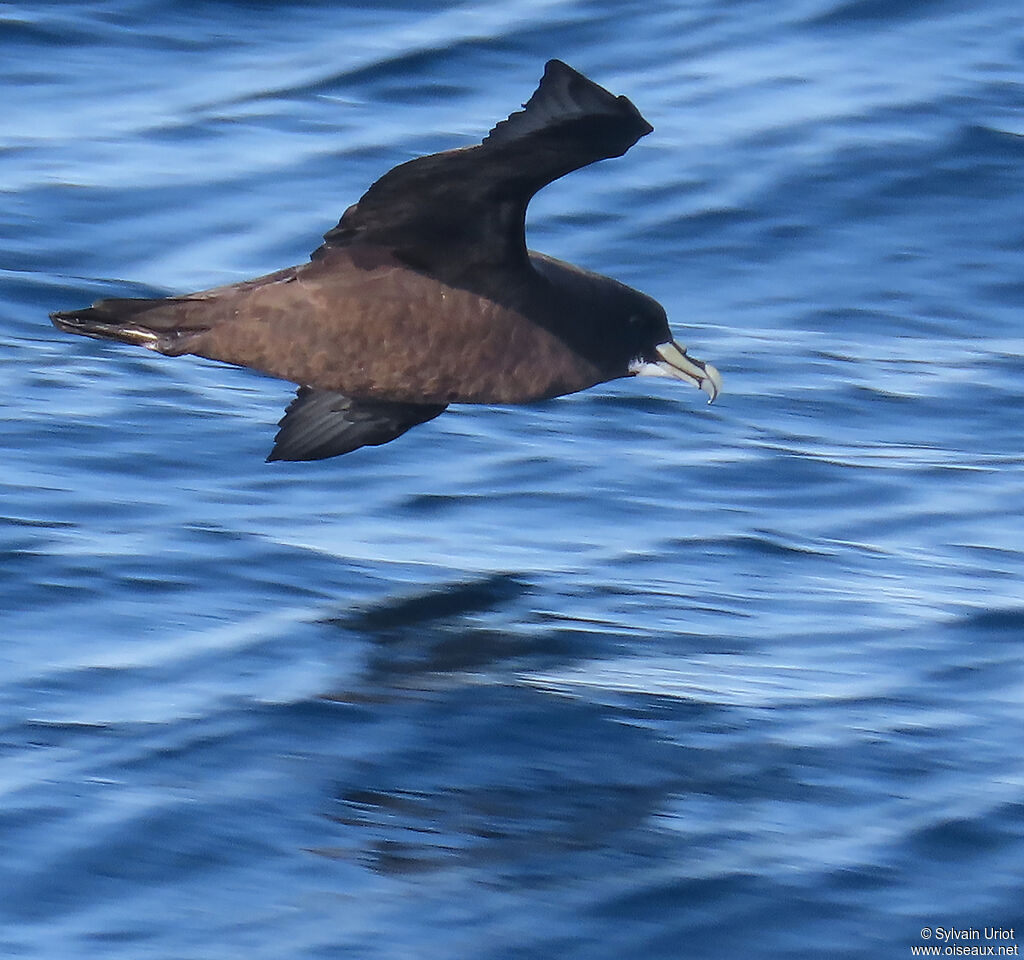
x=676, y=364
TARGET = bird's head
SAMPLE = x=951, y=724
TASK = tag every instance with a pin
x=654, y=353
x=622, y=331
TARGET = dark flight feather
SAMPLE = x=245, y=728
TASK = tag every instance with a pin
x=320, y=423
x=453, y=211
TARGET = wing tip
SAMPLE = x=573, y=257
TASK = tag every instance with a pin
x=563, y=96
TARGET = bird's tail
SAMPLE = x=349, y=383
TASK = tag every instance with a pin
x=143, y=323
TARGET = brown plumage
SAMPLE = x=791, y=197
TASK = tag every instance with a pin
x=425, y=294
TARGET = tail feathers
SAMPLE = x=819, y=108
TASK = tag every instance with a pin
x=125, y=321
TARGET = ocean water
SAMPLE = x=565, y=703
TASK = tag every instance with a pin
x=619, y=675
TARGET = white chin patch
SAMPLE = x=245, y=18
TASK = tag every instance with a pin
x=643, y=368
x=676, y=364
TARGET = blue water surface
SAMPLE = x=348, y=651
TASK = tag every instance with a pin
x=614, y=676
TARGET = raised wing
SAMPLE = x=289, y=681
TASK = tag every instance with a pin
x=451, y=211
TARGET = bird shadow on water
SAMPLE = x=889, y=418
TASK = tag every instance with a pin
x=475, y=766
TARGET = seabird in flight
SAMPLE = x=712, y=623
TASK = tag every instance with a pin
x=425, y=293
